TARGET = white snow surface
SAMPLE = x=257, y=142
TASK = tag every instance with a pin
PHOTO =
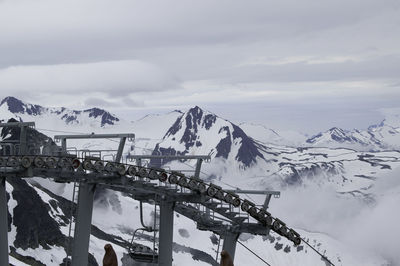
x=267, y=135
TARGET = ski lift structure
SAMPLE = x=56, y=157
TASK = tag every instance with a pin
x=210, y=206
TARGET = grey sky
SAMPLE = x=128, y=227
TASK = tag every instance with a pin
x=313, y=64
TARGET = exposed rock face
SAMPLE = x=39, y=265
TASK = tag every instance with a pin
x=31, y=218
x=224, y=146
x=106, y=117
x=249, y=150
x=201, y=130
x=18, y=108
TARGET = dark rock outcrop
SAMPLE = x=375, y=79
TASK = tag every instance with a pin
x=31, y=218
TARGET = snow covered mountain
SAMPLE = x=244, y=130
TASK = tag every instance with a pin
x=388, y=131
x=13, y=107
x=337, y=137
x=201, y=132
x=382, y=136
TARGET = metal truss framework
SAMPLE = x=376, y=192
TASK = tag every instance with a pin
x=211, y=207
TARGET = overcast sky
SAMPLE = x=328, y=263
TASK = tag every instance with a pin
x=304, y=65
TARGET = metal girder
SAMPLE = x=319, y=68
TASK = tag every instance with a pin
x=198, y=167
x=230, y=241
x=96, y=136
x=258, y=192
x=17, y=124
x=166, y=233
x=3, y=223
x=120, y=149
x=266, y=201
x=83, y=224
x=170, y=157
x=22, y=141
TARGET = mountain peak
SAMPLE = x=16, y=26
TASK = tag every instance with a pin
x=13, y=102
x=10, y=99
x=337, y=132
x=106, y=117
x=200, y=131
x=196, y=108
x=196, y=112
x=17, y=106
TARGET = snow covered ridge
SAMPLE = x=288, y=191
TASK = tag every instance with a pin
x=13, y=107
x=345, y=138
x=201, y=132
x=385, y=135
x=201, y=124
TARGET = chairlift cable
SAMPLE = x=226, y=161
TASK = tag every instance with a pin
x=319, y=253
x=60, y=131
x=253, y=253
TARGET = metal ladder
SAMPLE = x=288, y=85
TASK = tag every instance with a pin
x=71, y=229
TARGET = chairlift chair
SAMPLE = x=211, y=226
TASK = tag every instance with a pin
x=142, y=253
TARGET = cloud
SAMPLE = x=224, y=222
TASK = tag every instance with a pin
x=115, y=78
x=314, y=70
x=99, y=102
x=349, y=219
x=270, y=52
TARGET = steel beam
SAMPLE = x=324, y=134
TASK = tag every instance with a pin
x=17, y=124
x=120, y=149
x=230, y=240
x=64, y=145
x=198, y=167
x=166, y=233
x=266, y=202
x=83, y=224
x=257, y=192
x=170, y=157
x=96, y=136
x=3, y=223
x=22, y=140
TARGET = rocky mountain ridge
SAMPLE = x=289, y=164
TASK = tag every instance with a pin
x=201, y=132
x=22, y=111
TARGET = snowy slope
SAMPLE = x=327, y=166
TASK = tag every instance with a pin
x=267, y=135
x=150, y=130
